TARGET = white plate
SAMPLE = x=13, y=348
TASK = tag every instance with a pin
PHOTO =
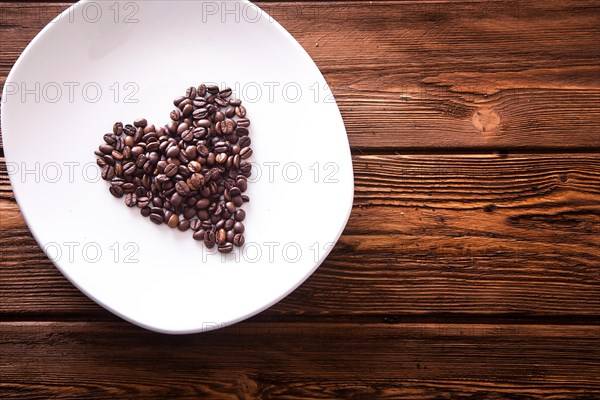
x=100, y=62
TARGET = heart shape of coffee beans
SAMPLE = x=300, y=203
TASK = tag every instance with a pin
x=190, y=173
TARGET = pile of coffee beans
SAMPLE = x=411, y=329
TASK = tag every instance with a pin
x=189, y=174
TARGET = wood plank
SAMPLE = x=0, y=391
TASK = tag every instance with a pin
x=515, y=235
x=299, y=361
x=433, y=75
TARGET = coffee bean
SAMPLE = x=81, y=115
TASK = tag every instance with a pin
x=158, y=211
x=171, y=170
x=118, y=128
x=245, y=153
x=140, y=123
x=145, y=211
x=235, y=102
x=108, y=172
x=101, y=163
x=212, y=89
x=157, y=219
x=221, y=236
x=221, y=102
x=199, y=234
x=244, y=141
x=238, y=227
x=240, y=111
x=173, y=221
x=140, y=191
x=187, y=110
x=195, y=181
x=190, y=93
x=128, y=187
x=240, y=215
x=182, y=188
x=225, y=248
x=243, y=122
x=143, y=202
x=225, y=93
x=238, y=240
x=195, y=225
x=209, y=239
x=184, y=225
x=130, y=200
x=175, y=114
x=106, y=148
x=116, y=191
x=242, y=184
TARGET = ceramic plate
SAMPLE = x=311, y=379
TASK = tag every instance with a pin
x=101, y=62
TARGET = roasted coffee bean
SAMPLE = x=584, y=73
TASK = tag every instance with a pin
x=225, y=247
x=238, y=227
x=200, y=113
x=221, y=102
x=140, y=191
x=190, y=93
x=240, y=111
x=183, y=225
x=225, y=93
x=195, y=181
x=140, y=123
x=240, y=215
x=189, y=212
x=108, y=172
x=221, y=236
x=158, y=211
x=212, y=89
x=245, y=198
x=116, y=191
x=243, y=122
x=209, y=239
x=171, y=170
x=106, y=148
x=238, y=240
x=237, y=200
x=221, y=158
x=182, y=188
x=101, y=163
x=187, y=110
x=246, y=152
x=244, y=141
x=201, y=91
x=175, y=114
x=230, y=236
x=241, y=131
x=199, y=234
x=130, y=200
x=195, y=225
x=157, y=219
x=145, y=211
x=173, y=221
x=128, y=187
x=242, y=184
x=229, y=224
x=235, y=102
x=110, y=139
x=143, y=202
x=118, y=128
x=230, y=207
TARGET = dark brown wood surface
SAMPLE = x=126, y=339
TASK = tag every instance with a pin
x=470, y=267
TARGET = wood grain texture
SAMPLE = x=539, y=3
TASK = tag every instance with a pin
x=428, y=234
x=418, y=75
x=300, y=361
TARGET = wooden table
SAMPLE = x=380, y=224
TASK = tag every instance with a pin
x=470, y=266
